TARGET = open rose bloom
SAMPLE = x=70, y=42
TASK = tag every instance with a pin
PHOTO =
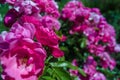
x=24, y=60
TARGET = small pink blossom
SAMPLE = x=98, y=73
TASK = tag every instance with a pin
x=98, y=76
x=107, y=61
x=27, y=7
x=90, y=66
x=74, y=72
x=117, y=48
x=12, y=2
x=63, y=38
x=50, y=22
x=56, y=52
x=4, y=45
x=48, y=7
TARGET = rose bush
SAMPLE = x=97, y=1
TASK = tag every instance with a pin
x=43, y=43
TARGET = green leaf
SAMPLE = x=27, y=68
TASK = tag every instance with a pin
x=64, y=48
x=47, y=78
x=62, y=64
x=48, y=59
x=83, y=43
x=50, y=71
x=61, y=59
x=62, y=74
x=81, y=71
x=67, y=65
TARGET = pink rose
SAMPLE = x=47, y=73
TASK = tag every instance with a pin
x=17, y=31
x=30, y=19
x=24, y=60
x=46, y=37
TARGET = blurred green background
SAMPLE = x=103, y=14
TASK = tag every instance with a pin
x=109, y=8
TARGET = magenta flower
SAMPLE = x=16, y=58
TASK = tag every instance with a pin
x=49, y=7
x=96, y=10
x=11, y=17
x=75, y=11
x=23, y=61
x=27, y=7
x=107, y=61
x=98, y=76
x=45, y=32
x=56, y=52
x=4, y=45
x=3, y=36
x=74, y=72
x=90, y=66
x=117, y=48
x=96, y=49
x=17, y=31
x=50, y=22
x=30, y=19
x=12, y=2
x=90, y=70
x=63, y=38
x=46, y=37
x=95, y=18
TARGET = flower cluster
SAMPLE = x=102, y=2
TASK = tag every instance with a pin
x=90, y=70
x=100, y=36
x=32, y=28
